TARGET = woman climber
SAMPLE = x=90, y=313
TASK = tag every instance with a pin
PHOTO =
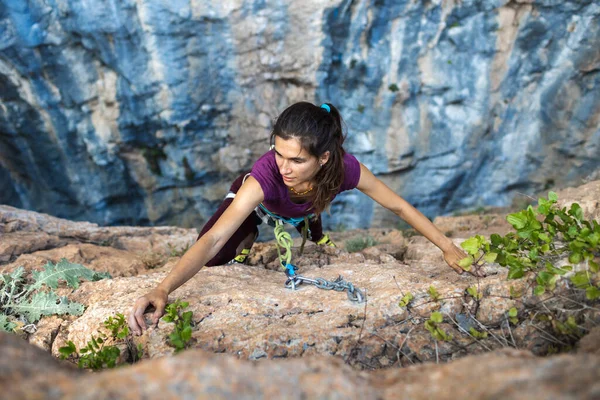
x=295, y=180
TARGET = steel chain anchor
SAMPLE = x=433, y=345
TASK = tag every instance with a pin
x=339, y=285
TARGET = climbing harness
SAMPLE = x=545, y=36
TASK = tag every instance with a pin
x=283, y=240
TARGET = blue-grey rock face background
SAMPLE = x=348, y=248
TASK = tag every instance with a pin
x=142, y=111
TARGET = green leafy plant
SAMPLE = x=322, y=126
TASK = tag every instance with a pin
x=26, y=302
x=406, y=299
x=477, y=334
x=432, y=325
x=393, y=88
x=153, y=259
x=552, y=256
x=512, y=315
x=182, y=333
x=554, y=251
x=360, y=108
x=177, y=252
x=544, y=235
x=433, y=293
x=97, y=354
x=473, y=292
x=360, y=243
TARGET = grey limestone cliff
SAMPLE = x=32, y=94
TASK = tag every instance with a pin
x=142, y=111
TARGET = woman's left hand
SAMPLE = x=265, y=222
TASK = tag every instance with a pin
x=453, y=254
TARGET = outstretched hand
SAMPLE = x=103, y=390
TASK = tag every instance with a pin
x=156, y=298
x=453, y=255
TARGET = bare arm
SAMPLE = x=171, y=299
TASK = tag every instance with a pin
x=370, y=185
x=247, y=198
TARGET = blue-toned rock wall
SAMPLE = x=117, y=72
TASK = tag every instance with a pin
x=142, y=111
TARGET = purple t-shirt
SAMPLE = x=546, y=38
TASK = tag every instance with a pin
x=277, y=199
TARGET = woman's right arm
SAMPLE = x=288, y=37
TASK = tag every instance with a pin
x=247, y=198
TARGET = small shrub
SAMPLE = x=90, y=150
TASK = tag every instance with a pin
x=432, y=325
x=406, y=299
x=97, y=354
x=555, y=251
x=153, y=260
x=182, y=332
x=360, y=243
x=175, y=252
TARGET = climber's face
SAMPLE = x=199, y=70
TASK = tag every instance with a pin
x=297, y=166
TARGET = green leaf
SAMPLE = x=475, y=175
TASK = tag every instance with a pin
x=545, y=248
x=471, y=245
x=544, y=277
x=575, y=258
x=517, y=220
x=433, y=293
x=46, y=304
x=63, y=271
x=580, y=280
x=594, y=239
x=490, y=257
x=406, y=300
x=552, y=196
x=576, y=211
x=437, y=317
x=496, y=239
x=466, y=263
x=13, y=279
x=6, y=325
x=552, y=269
x=539, y=290
x=533, y=254
x=476, y=334
x=592, y=293
x=67, y=350
x=513, y=312
x=187, y=317
x=474, y=293
x=572, y=231
x=186, y=333
x=544, y=237
x=516, y=273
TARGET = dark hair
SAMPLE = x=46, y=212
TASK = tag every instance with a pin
x=318, y=131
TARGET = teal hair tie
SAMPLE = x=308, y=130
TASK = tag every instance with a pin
x=326, y=107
